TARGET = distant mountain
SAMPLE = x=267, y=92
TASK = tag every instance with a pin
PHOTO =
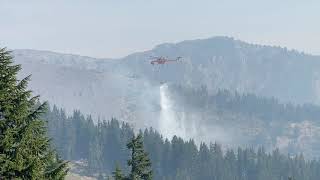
x=218, y=63
x=225, y=63
x=129, y=88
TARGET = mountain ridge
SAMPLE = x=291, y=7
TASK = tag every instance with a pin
x=218, y=62
x=130, y=90
x=177, y=43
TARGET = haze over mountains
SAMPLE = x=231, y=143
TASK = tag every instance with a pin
x=129, y=88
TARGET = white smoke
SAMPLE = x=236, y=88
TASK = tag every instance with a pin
x=175, y=120
x=172, y=122
x=154, y=105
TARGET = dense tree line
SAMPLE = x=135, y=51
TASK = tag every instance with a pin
x=25, y=150
x=103, y=146
x=267, y=109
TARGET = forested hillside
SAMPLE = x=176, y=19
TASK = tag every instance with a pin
x=236, y=119
x=129, y=88
x=102, y=146
x=159, y=90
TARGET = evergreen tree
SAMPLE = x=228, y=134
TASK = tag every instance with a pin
x=57, y=168
x=25, y=151
x=139, y=162
x=117, y=174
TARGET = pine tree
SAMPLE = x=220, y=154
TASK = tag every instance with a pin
x=57, y=168
x=117, y=174
x=139, y=162
x=25, y=151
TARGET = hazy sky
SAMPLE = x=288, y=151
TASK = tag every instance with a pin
x=115, y=28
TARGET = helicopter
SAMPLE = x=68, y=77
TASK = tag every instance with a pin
x=162, y=60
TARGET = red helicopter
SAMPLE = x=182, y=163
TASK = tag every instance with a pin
x=163, y=60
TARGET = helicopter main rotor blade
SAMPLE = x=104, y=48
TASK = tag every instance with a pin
x=154, y=57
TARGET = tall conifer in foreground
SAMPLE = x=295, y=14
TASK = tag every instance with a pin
x=139, y=162
x=25, y=151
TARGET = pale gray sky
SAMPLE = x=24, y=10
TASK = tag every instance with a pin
x=115, y=28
